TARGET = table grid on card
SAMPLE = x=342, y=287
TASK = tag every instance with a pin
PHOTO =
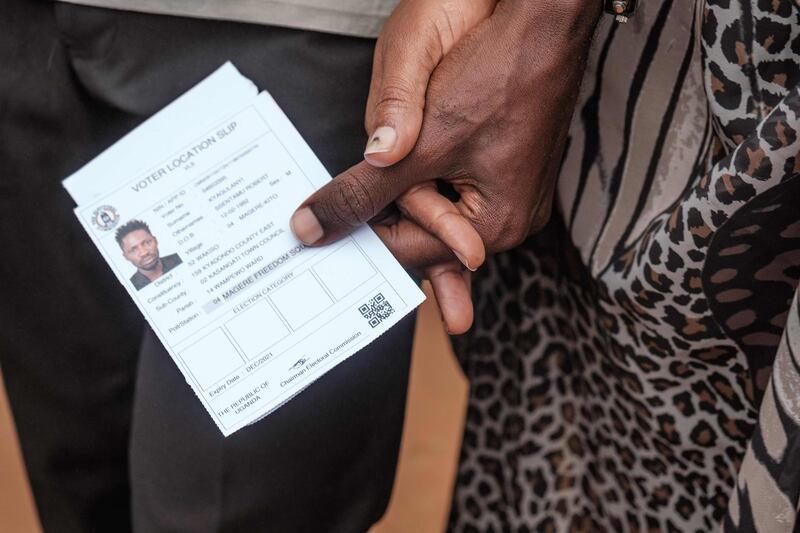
x=211, y=359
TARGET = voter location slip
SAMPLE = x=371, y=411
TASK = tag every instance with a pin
x=192, y=209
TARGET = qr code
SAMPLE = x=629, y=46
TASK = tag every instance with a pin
x=376, y=310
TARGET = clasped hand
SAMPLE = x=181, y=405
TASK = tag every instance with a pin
x=474, y=97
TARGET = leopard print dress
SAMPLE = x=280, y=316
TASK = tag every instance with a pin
x=636, y=365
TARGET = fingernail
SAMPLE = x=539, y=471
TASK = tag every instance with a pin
x=383, y=140
x=464, y=261
x=305, y=226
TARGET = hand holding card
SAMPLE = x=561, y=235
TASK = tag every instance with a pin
x=191, y=210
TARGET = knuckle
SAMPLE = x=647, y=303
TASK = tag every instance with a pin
x=507, y=231
x=352, y=202
x=449, y=113
x=513, y=239
x=397, y=93
x=450, y=26
x=492, y=237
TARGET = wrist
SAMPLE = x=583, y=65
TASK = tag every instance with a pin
x=547, y=40
x=572, y=19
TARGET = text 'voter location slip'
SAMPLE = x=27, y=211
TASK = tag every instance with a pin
x=191, y=210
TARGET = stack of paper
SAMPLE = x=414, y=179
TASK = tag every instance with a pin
x=191, y=210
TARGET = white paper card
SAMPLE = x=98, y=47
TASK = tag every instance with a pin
x=250, y=315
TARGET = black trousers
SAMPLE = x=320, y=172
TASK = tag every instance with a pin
x=72, y=81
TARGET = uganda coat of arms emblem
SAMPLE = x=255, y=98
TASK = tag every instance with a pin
x=105, y=218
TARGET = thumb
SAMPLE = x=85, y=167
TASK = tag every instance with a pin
x=400, y=76
x=412, y=43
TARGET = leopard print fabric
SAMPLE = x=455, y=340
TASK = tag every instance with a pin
x=616, y=380
x=768, y=485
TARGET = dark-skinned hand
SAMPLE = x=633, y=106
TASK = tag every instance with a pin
x=494, y=109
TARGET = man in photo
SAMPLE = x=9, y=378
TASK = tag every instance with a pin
x=140, y=247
